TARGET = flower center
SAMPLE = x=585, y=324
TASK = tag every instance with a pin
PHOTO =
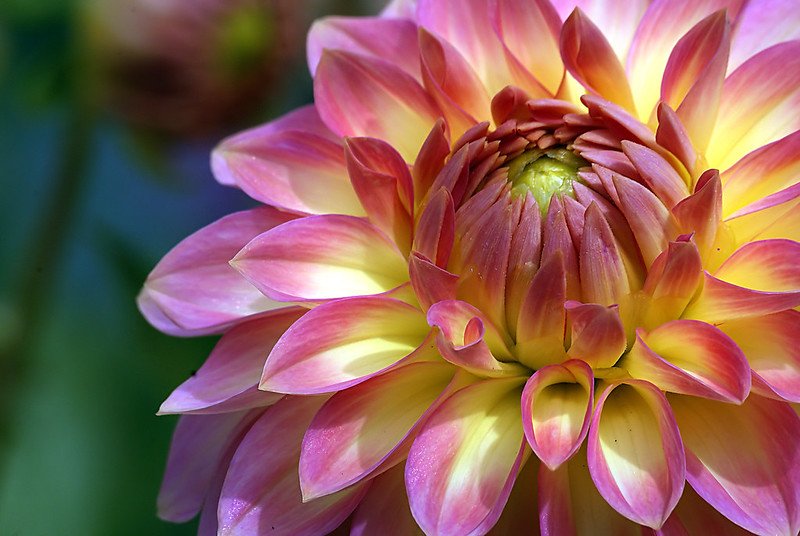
x=544, y=173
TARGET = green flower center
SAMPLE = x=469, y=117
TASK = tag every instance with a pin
x=545, y=173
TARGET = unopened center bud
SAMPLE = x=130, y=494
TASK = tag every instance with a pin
x=545, y=173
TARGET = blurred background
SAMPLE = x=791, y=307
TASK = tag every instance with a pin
x=108, y=112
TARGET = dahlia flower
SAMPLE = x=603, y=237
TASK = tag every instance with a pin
x=524, y=266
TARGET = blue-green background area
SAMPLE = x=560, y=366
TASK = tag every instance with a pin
x=81, y=450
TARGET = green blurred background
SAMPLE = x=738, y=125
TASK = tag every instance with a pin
x=94, y=192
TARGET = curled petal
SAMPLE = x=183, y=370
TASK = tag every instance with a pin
x=339, y=450
x=556, y=406
x=194, y=291
x=591, y=60
x=468, y=339
x=690, y=357
x=475, y=441
x=430, y=160
x=744, y=460
x=672, y=135
x=431, y=284
x=342, y=343
x=322, y=257
x=387, y=103
x=366, y=36
x=699, y=214
x=635, y=452
x=261, y=488
x=598, y=336
x=228, y=379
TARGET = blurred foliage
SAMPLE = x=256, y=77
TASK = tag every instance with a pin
x=89, y=205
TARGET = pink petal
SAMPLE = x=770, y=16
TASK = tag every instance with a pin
x=598, y=336
x=524, y=259
x=295, y=163
x=387, y=103
x=770, y=344
x=766, y=265
x=434, y=233
x=556, y=408
x=453, y=84
x=663, y=24
x=530, y=31
x=468, y=339
x=761, y=25
x=228, y=380
x=652, y=224
x=431, y=284
x=540, y=327
x=405, y=9
x=659, y=175
x=672, y=135
x=693, y=77
x=618, y=20
x=383, y=183
x=699, y=215
x=475, y=442
x=194, y=291
x=342, y=343
x=430, y=160
x=261, y=489
x=591, y=60
x=339, y=450
x=465, y=25
x=385, y=510
x=744, y=460
x=366, y=36
x=322, y=257
x=758, y=106
x=604, y=279
x=635, y=453
x=199, y=445
x=690, y=357
x=672, y=282
x=557, y=241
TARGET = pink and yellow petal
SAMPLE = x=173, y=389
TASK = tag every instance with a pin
x=339, y=450
x=322, y=257
x=193, y=290
x=744, y=460
x=635, y=452
x=758, y=105
x=387, y=103
x=475, y=440
x=598, y=336
x=690, y=357
x=556, y=407
x=342, y=343
x=228, y=379
x=261, y=488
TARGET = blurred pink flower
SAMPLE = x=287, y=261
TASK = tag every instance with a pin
x=191, y=68
x=513, y=275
